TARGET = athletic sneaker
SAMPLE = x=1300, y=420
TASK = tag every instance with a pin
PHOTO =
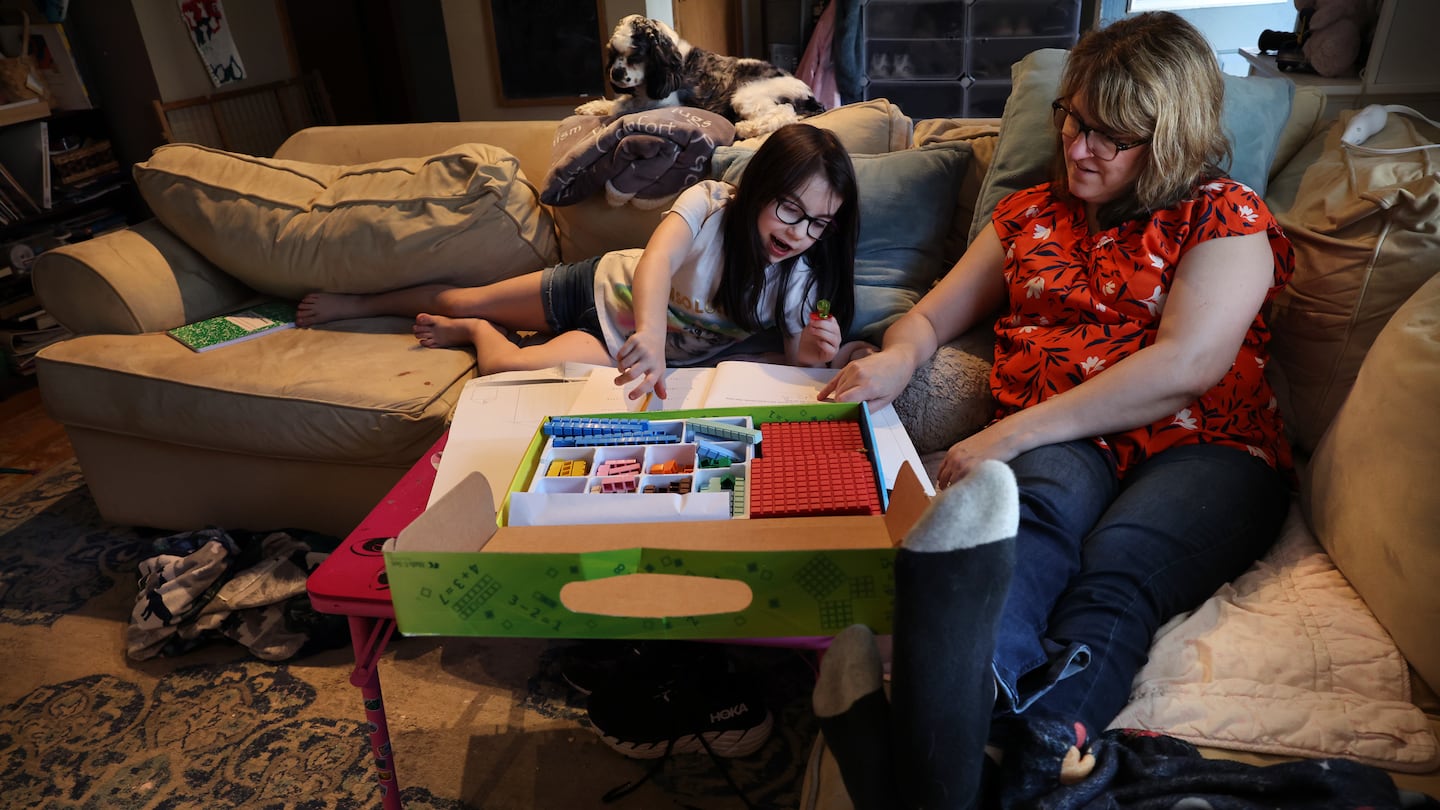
x=591, y=665
x=722, y=713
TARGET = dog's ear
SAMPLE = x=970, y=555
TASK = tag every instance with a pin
x=664, y=68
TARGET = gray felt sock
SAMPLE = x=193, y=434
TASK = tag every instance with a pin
x=980, y=508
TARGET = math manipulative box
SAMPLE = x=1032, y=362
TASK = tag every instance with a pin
x=467, y=568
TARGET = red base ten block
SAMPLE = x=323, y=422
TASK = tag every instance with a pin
x=839, y=483
x=791, y=439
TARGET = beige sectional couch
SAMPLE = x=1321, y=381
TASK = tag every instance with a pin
x=310, y=427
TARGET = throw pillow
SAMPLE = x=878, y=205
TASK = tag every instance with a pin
x=466, y=216
x=1371, y=498
x=908, y=202
x=1364, y=228
x=1255, y=112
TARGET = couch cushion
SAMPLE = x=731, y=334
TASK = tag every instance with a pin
x=465, y=216
x=357, y=392
x=864, y=127
x=1255, y=112
x=1371, y=494
x=1305, y=111
x=901, y=250
x=1366, y=231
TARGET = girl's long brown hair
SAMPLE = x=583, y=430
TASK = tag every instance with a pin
x=790, y=157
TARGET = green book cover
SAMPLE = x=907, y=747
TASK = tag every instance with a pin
x=223, y=330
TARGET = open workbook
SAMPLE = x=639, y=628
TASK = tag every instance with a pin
x=497, y=415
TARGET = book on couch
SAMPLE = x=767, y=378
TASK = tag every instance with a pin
x=224, y=330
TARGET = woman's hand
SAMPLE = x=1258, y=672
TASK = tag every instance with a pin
x=642, y=358
x=963, y=456
x=819, y=342
x=873, y=377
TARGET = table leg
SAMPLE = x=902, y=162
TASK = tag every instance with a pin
x=369, y=636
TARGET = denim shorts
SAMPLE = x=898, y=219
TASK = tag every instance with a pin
x=568, y=292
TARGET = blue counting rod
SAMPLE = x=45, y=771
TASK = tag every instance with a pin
x=643, y=437
x=592, y=426
x=724, y=430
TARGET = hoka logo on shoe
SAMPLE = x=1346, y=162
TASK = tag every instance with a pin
x=725, y=714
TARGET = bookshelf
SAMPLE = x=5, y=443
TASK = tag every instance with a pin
x=59, y=183
x=1399, y=67
x=19, y=111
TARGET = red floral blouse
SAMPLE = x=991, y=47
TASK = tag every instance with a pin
x=1080, y=302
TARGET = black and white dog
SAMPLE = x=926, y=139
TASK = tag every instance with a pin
x=650, y=66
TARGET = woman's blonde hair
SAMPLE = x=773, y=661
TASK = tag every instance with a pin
x=1151, y=76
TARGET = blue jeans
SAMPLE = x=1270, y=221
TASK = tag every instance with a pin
x=568, y=294
x=1102, y=563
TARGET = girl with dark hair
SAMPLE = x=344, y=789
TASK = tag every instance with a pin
x=726, y=262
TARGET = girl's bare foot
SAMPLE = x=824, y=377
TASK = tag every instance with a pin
x=440, y=332
x=318, y=308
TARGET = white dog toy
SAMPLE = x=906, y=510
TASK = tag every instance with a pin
x=1371, y=120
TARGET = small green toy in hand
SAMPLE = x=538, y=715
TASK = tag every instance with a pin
x=822, y=310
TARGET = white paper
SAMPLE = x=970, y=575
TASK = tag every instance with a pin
x=568, y=509
x=684, y=388
x=494, y=423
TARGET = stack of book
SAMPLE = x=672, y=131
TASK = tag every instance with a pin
x=25, y=326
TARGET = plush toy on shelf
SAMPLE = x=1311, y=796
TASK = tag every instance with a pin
x=1335, y=34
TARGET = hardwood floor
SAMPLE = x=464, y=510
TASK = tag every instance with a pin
x=29, y=440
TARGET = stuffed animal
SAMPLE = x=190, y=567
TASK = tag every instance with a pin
x=1335, y=34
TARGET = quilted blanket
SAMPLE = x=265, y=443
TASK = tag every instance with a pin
x=642, y=158
x=1285, y=660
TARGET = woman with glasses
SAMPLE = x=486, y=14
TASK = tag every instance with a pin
x=725, y=262
x=1136, y=461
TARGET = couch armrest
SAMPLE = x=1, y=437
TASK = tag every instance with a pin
x=138, y=279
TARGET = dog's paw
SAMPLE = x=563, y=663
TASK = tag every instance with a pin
x=600, y=106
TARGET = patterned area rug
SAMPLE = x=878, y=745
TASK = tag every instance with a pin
x=476, y=724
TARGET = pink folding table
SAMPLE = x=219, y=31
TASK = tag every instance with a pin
x=351, y=582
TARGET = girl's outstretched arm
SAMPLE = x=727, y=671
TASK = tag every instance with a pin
x=642, y=357
x=972, y=289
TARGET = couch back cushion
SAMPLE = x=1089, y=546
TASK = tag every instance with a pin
x=1371, y=495
x=908, y=203
x=465, y=216
x=1255, y=113
x=1366, y=231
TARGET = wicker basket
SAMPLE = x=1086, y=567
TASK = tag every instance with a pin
x=83, y=163
x=19, y=80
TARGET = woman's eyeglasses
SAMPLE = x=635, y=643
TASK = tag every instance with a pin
x=1101, y=145
x=791, y=214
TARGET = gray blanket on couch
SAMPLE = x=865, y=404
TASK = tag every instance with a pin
x=642, y=158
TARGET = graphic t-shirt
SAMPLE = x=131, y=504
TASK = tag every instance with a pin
x=696, y=330
x=1081, y=302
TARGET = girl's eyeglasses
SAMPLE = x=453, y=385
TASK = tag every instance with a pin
x=791, y=214
x=1101, y=145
